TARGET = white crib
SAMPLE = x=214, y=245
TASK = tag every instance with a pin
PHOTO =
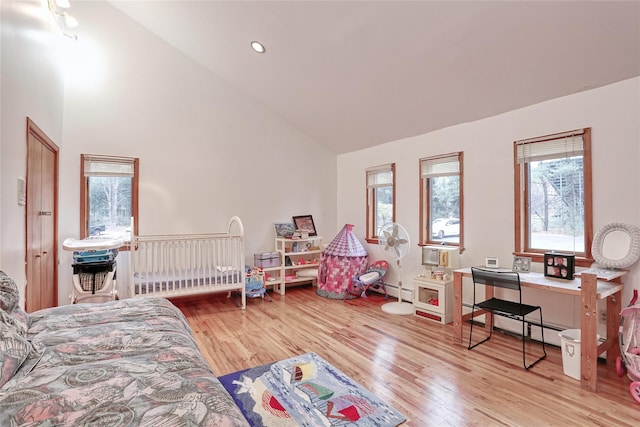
x=189, y=264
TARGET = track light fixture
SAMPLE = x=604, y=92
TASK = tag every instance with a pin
x=65, y=21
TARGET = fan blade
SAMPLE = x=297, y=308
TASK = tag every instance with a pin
x=393, y=235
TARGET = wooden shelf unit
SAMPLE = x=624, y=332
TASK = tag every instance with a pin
x=304, y=253
x=273, y=276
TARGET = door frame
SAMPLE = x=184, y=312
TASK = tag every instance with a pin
x=48, y=144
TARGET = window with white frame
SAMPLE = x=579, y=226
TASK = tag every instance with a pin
x=441, y=202
x=109, y=194
x=381, y=196
x=553, y=201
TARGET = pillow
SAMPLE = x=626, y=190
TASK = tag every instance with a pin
x=9, y=295
x=369, y=278
x=18, y=319
x=307, y=272
x=35, y=355
x=14, y=350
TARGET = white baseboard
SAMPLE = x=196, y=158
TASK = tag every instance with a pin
x=393, y=290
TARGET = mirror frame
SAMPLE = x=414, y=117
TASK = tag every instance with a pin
x=633, y=252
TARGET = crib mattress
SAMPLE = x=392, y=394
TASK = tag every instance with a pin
x=186, y=280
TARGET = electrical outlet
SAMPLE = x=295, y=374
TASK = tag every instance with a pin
x=602, y=315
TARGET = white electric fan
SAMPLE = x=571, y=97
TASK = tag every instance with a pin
x=394, y=241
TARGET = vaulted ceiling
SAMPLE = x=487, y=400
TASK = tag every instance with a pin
x=353, y=74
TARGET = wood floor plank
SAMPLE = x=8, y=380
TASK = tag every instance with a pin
x=409, y=361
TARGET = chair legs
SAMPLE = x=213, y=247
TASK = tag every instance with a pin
x=379, y=286
x=359, y=290
x=523, y=338
x=544, y=351
x=489, y=319
x=354, y=292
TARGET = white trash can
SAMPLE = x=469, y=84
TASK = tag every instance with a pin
x=570, y=342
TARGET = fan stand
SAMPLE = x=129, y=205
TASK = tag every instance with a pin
x=394, y=239
x=399, y=307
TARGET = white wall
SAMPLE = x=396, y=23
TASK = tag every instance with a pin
x=206, y=151
x=30, y=86
x=612, y=112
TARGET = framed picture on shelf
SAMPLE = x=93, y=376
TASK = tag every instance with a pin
x=559, y=265
x=284, y=230
x=521, y=264
x=305, y=222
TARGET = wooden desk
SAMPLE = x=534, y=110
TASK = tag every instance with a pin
x=590, y=290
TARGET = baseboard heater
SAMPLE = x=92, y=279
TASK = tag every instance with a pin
x=533, y=330
x=393, y=290
x=533, y=333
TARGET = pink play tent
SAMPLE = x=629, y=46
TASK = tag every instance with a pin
x=342, y=259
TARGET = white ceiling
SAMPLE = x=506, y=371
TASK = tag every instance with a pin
x=353, y=74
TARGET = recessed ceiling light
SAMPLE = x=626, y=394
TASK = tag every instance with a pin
x=70, y=21
x=258, y=47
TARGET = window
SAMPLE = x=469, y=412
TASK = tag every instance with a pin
x=109, y=196
x=441, y=200
x=553, y=195
x=381, y=197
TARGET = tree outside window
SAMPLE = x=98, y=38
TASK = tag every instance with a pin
x=441, y=199
x=553, y=197
x=380, y=199
x=109, y=194
x=556, y=205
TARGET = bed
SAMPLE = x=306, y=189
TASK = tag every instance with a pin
x=188, y=264
x=124, y=362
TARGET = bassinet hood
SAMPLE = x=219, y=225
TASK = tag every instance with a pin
x=345, y=244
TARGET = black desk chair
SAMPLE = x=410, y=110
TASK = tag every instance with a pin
x=501, y=307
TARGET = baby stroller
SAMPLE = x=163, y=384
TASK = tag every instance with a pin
x=629, y=338
x=372, y=278
x=94, y=267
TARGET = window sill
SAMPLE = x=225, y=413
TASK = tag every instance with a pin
x=438, y=244
x=444, y=245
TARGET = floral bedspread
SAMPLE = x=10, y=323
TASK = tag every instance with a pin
x=131, y=362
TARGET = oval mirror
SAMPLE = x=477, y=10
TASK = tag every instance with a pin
x=616, y=245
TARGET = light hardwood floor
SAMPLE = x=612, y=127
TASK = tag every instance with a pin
x=409, y=362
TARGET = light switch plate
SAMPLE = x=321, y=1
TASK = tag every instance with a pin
x=22, y=192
